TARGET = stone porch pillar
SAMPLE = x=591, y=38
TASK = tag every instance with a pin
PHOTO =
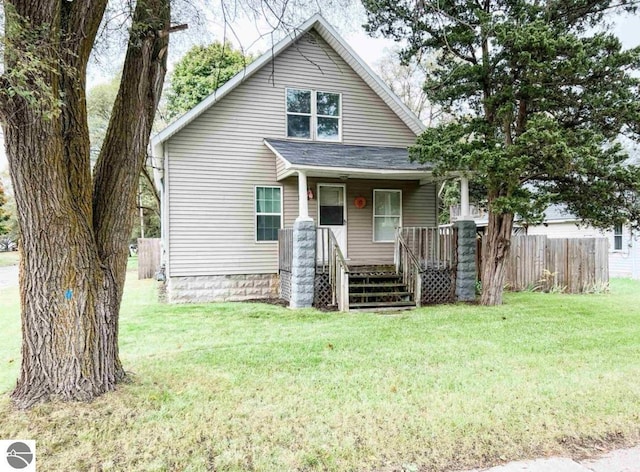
x=303, y=265
x=466, y=270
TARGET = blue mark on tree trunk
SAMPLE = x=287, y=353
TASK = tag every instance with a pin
x=68, y=294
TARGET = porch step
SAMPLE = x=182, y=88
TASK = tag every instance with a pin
x=378, y=294
x=390, y=275
x=375, y=285
x=400, y=304
x=378, y=288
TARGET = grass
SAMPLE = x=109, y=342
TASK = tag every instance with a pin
x=236, y=387
x=132, y=263
x=9, y=258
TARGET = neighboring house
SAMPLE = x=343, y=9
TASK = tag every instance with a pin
x=624, y=243
x=305, y=132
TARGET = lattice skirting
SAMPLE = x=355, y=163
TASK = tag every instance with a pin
x=438, y=286
x=285, y=285
x=322, y=292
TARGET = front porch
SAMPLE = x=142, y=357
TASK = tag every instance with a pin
x=366, y=232
x=422, y=271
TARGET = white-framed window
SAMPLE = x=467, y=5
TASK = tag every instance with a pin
x=314, y=114
x=617, y=237
x=268, y=211
x=387, y=214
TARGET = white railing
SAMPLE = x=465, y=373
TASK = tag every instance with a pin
x=433, y=247
x=455, y=212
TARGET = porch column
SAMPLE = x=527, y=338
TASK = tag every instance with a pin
x=303, y=204
x=464, y=198
x=303, y=265
x=466, y=270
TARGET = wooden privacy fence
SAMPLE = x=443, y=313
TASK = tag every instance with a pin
x=572, y=265
x=148, y=257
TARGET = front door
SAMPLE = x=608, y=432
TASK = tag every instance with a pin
x=332, y=212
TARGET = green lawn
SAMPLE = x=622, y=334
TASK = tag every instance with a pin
x=12, y=258
x=236, y=387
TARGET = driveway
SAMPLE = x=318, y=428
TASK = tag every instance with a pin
x=8, y=276
x=621, y=460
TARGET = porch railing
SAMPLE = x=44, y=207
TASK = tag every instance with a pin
x=420, y=254
x=285, y=249
x=433, y=247
x=331, y=261
x=408, y=266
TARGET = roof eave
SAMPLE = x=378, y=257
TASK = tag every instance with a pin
x=411, y=174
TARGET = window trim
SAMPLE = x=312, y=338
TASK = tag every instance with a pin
x=373, y=214
x=317, y=115
x=296, y=113
x=344, y=202
x=617, y=235
x=313, y=117
x=255, y=213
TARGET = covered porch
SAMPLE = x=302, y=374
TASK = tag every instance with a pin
x=423, y=271
x=368, y=216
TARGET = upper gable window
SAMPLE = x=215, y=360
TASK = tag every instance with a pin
x=314, y=115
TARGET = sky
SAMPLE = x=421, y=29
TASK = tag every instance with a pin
x=371, y=50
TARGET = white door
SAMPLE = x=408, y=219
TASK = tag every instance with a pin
x=332, y=212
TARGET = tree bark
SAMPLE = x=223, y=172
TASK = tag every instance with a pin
x=494, y=257
x=75, y=231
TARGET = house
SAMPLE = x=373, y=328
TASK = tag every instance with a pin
x=559, y=223
x=306, y=135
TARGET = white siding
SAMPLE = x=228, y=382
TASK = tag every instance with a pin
x=622, y=263
x=216, y=161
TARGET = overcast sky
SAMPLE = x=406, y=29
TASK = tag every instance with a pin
x=627, y=28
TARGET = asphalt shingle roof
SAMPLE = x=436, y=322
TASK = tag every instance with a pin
x=345, y=155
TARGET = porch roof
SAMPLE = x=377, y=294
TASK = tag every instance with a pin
x=353, y=160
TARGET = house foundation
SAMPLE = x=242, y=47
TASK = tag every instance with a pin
x=221, y=288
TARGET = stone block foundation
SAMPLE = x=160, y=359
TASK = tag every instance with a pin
x=221, y=288
x=466, y=270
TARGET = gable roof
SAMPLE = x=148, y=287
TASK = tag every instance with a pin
x=328, y=33
x=347, y=156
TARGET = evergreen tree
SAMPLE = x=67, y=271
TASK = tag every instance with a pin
x=540, y=92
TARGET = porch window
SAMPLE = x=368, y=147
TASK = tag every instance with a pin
x=387, y=214
x=313, y=115
x=268, y=213
x=617, y=237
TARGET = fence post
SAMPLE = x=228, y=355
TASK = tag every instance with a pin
x=418, y=290
x=149, y=257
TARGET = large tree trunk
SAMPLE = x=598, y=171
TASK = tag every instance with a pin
x=74, y=230
x=494, y=257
